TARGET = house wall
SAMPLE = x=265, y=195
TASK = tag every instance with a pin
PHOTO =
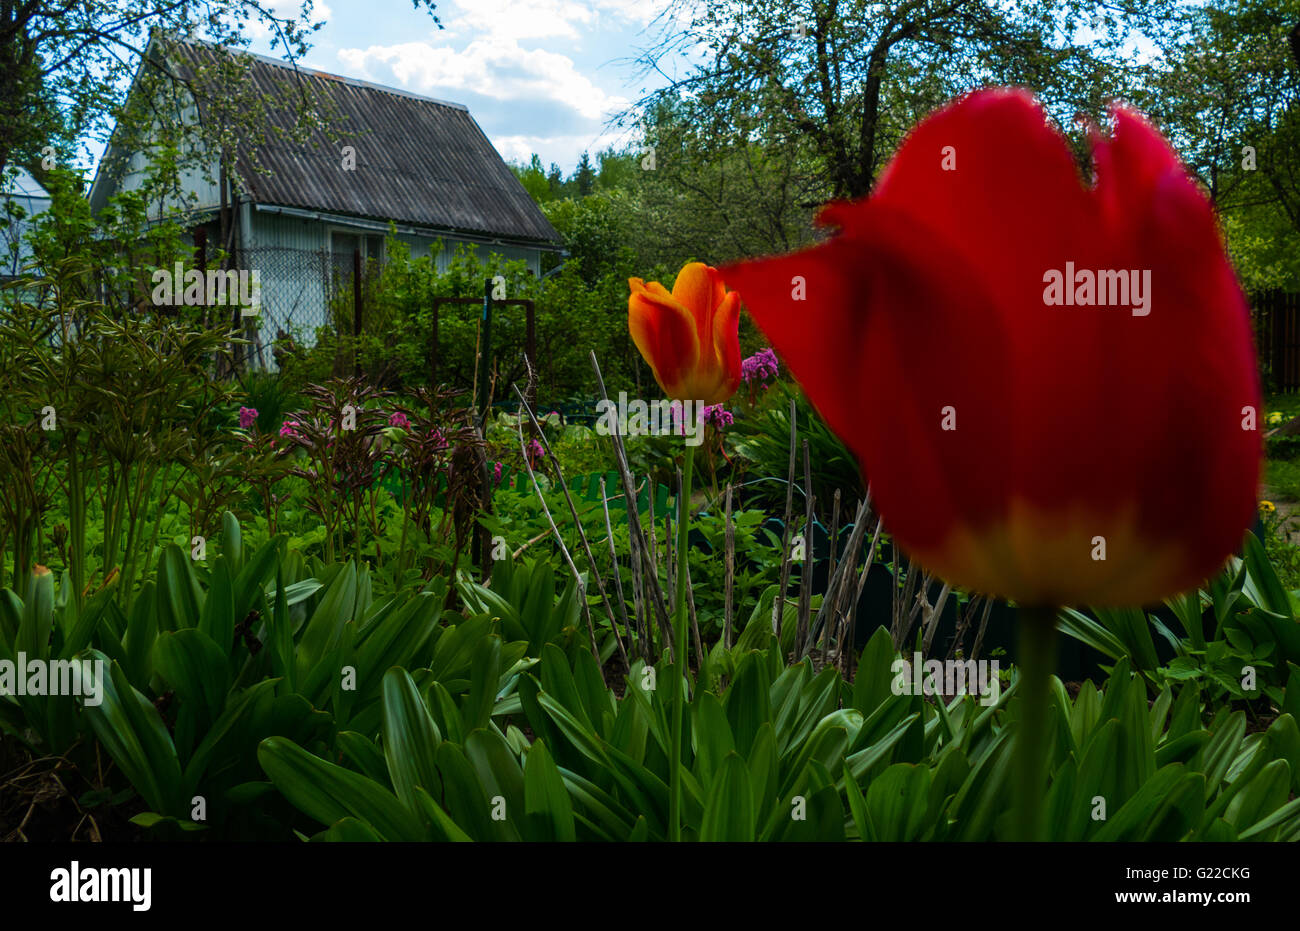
x=20, y=190
x=294, y=232
x=292, y=256
x=198, y=183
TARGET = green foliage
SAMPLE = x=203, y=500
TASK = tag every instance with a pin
x=396, y=349
x=1237, y=640
x=761, y=441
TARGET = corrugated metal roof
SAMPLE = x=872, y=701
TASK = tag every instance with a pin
x=419, y=161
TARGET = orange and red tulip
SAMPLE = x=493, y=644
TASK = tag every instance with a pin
x=1047, y=451
x=690, y=337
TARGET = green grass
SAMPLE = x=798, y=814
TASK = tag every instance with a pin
x=1288, y=405
x=1283, y=478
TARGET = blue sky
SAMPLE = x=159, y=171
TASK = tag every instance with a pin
x=539, y=76
x=542, y=76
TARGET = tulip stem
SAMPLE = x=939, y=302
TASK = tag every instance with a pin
x=1035, y=664
x=681, y=648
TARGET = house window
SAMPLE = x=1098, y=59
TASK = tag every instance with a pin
x=344, y=243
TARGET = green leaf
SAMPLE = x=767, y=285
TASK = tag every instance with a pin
x=218, y=618
x=729, y=808
x=349, y=831
x=485, y=674
x=324, y=630
x=1140, y=809
x=37, y=617
x=467, y=802
x=131, y=731
x=747, y=702
x=411, y=739
x=1262, y=584
x=87, y=622
x=180, y=599
x=1265, y=794
x=1086, y=630
x=1219, y=752
x=329, y=793
x=232, y=540
x=548, y=811
x=897, y=801
x=217, y=737
x=141, y=631
x=872, y=686
x=195, y=668
x=248, y=585
x=712, y=737
x=280, y=634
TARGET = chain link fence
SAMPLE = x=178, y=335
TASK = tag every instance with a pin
x=297, y=285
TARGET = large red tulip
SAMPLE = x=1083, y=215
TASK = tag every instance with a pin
x=690, y=336
x=1026, y=435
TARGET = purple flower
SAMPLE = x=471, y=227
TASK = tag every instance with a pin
x=761, y=366
x=496, y=475
x=398, y=420
x=247, y=417
x=716, y=416
x=534, y=451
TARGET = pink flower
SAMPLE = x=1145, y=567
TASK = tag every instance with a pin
x=496, y=474
x=760, y=367
x=398, y=419
x=716, y=416
x=247, y=417
x=286, y=428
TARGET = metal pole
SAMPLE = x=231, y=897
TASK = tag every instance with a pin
x=433, y=345
x=356, y=311
x=485, y=355
x=201, y=259
x=530, y=347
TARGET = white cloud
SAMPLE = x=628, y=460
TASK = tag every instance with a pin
x=522, y=19
x=286, y=9
x=566, y=150
x=545, y=19
x=494, y=67
x=632, y=11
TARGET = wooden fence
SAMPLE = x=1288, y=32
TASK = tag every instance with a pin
x=1276, y=316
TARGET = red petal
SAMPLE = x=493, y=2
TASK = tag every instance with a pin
x=665, y=333
x=934, y=294
x=882, y=345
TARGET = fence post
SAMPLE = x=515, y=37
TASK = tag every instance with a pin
x=485, y=355
x=433, y=344
x=356, y=311
x=201, y=259
x=530, y=347
x=484, y=395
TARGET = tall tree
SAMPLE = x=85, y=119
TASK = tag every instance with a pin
x=584, y=178
x=851, y=76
